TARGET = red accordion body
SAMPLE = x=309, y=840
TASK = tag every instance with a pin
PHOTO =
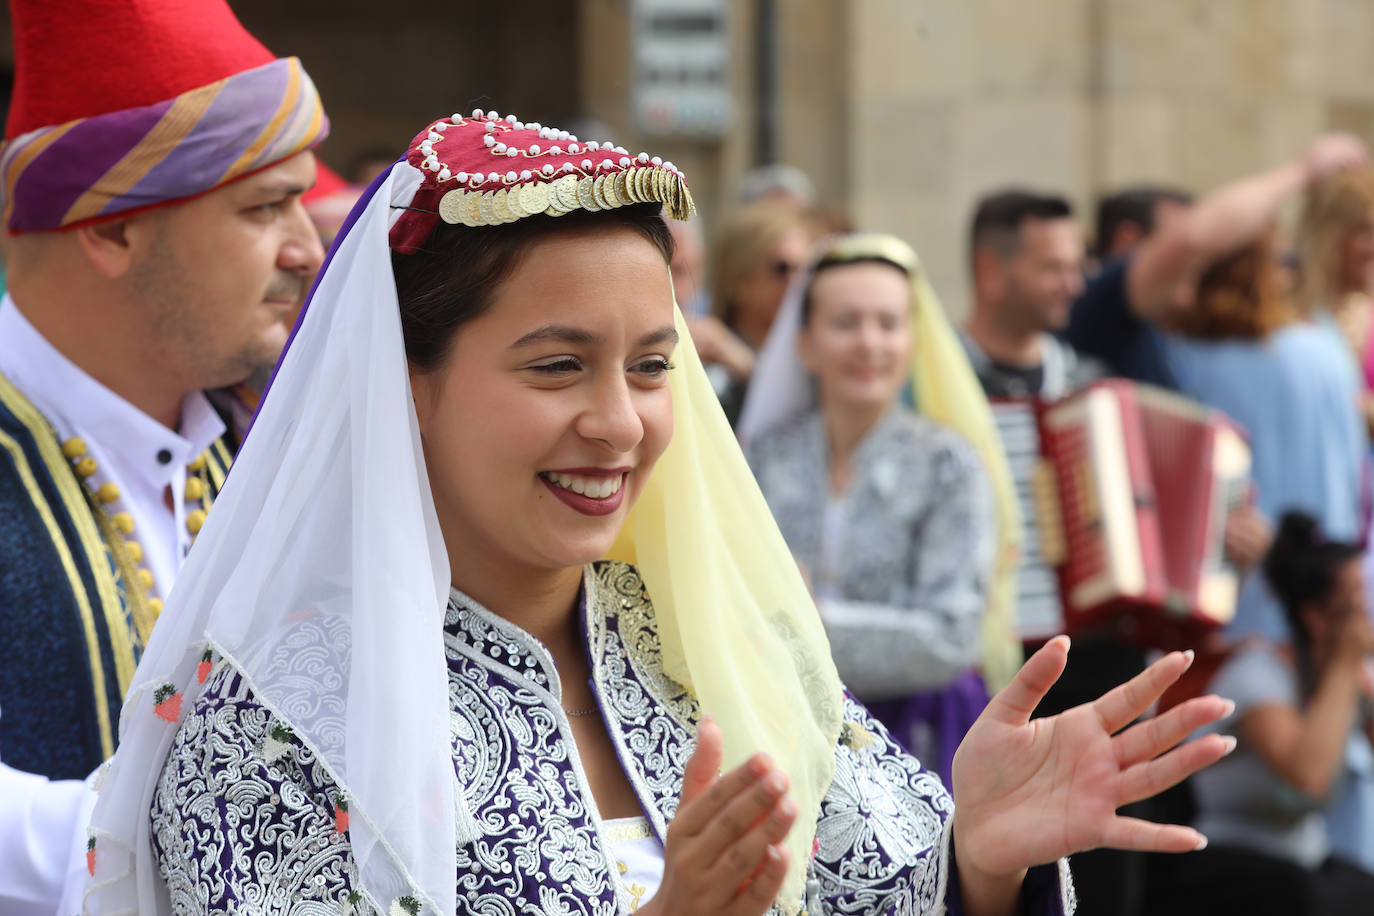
x=1132, y=499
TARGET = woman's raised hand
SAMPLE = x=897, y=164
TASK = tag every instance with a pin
x=1029, y=791
x=724, y=851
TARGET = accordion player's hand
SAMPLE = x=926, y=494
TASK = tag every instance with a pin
x=1029, y=791
x=1249, y=534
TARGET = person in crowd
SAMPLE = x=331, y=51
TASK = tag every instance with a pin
x=1027, y=260
x=1026, y=255
x=780, y=184
x=157, y=239
x=756, y=253
x=1335, y=264
x=1115, y=320
x=366, y=165
x=689, y=268
x=492, y=597
x=1243, y=348
x=889, y=511
x=1303, y=715
x=1125, y=218
x=328, y=203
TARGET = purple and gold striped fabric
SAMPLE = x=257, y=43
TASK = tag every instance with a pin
x=59, y=176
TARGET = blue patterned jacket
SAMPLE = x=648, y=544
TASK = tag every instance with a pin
x=243, y=818
x=71, y=627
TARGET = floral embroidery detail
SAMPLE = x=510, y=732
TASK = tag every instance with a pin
x=636, y=892
x=216, y=794
x=90, y=856
x=854, y=736
x=351, y=903
x=405, y=906
x=203, y=668
x=167, y=703
x=278, y=743
x=341, y=815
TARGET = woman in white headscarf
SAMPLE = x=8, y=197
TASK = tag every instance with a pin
x=905, y=520
x=490, y=599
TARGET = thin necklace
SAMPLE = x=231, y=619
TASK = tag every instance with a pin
x=579, y=713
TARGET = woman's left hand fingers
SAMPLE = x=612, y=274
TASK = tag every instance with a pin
x=1153, y=737
x=1154, y=776
x=1119, y=707
x=1015, y=703
x=1147, y=836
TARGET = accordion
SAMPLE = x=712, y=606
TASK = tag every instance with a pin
x=1129, y=498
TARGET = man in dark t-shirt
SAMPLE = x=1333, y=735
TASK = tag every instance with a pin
x=1102, y=321
x=1027, y=260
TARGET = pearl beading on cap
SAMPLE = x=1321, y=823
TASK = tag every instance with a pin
x=613, y=179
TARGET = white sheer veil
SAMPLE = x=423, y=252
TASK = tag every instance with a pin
x=321, y=575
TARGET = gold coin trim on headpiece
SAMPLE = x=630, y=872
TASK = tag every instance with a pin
x=550, y=191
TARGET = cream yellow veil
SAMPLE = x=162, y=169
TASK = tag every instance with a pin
x=737, y=623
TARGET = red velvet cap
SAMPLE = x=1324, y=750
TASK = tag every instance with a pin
x=82, y=58
x=485, y=170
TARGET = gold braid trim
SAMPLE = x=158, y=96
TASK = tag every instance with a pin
x=140, y=612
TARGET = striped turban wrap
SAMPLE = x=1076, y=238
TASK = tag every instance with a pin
x=122, y=161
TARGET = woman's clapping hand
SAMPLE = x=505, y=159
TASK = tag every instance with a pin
x=724, y=851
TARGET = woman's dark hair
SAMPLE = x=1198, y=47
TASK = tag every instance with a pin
x=453, y=277
x=1302, y=566
x=825, y=264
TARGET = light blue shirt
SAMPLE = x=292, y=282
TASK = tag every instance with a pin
x=1297, y=396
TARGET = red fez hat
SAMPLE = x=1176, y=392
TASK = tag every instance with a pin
x=121, y=105
x=83, y=58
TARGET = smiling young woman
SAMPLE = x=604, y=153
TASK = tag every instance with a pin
x=491, y=599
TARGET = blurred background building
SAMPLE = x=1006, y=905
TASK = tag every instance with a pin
x=901, y=111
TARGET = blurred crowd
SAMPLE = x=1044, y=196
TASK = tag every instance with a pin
x=892, y=501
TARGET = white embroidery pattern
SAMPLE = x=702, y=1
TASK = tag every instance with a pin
x=237, y=833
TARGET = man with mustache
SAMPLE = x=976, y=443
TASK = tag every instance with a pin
x=158, y=244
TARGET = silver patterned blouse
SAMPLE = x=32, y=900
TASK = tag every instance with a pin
x=900, y=561
x=246, y=820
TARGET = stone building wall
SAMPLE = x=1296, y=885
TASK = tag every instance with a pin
x=949, y=101
x=903, y=111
